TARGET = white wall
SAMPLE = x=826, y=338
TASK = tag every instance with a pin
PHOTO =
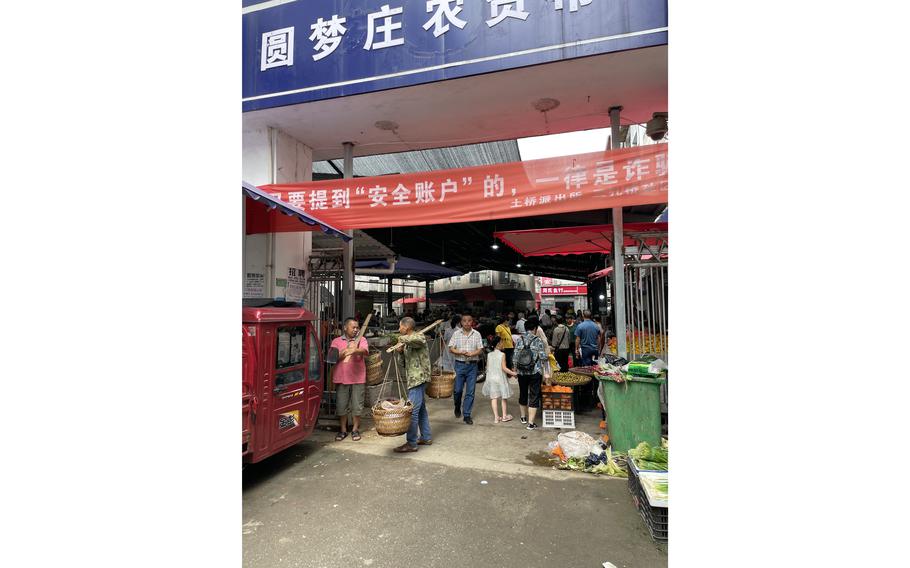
x=271, y=156
x=487, y=278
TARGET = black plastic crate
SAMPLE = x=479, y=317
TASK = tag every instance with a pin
x=656, y=518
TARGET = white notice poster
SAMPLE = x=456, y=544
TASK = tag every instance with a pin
x=296, y=283
x=254, y=285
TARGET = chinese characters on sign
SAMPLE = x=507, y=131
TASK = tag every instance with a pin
x=563, y=290
x=327, y=36
x=293, y=292
x=630, y=176
x=444, y=10
x=277, y=48
x=386, y=28
x=385, y=25
x=254, y=285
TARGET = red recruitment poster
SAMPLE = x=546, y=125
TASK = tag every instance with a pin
x=598, y=180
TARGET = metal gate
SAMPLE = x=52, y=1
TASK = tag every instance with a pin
x=646, y=296
x=323, y=297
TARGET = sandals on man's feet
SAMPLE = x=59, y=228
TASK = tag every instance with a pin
x=340, y=436
x=506, y=418
x=355, y=435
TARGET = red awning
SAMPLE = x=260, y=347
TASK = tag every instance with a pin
x=410, y=300
x=600, y=273
x=563, y=241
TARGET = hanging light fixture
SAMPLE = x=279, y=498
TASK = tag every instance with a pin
x=518, y=265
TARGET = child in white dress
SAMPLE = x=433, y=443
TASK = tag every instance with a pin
x=497, y=384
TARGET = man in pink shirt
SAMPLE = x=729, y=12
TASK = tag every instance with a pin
x=349, y=376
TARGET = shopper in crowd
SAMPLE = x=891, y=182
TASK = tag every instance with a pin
x=449, y=328
x=349, y=376
x=496, y=387
x=546, y=320
x=416, y=352
x=520, y=323
x=562, y=344
x=532, y=366
x=587, y=336
x=504, y=333
x=466, y=345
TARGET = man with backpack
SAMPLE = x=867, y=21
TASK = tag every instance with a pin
x=532, y=366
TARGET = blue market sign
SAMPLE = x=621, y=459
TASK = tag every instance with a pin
x=297, y=51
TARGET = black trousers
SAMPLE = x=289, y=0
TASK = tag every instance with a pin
x=562, y=357
x=529, y=390
x=509, y=353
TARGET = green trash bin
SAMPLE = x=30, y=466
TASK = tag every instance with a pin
x=633, y=411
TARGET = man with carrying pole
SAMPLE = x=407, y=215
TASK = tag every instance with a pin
x=416, y=352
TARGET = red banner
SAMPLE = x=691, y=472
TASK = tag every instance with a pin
x=599, y=180
x=563, y=290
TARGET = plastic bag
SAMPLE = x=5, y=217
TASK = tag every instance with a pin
x=647, y=366
x=611, y=359
x=576, y=444
x=554, y=366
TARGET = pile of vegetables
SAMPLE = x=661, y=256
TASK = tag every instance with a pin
x=570, y=379
x=656, y=485
x=651, y=458
x=610, y=371
x=598, y=463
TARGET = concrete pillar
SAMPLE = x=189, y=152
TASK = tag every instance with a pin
x=347, y=290
x=619, y=300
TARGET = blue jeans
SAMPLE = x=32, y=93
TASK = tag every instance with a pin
x=588, y=354
x=419, y=417
x=465, y=376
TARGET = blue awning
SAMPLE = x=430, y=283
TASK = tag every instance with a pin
x=272, y=202
x=411, y=268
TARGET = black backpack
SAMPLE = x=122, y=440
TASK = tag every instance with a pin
x=526, y=360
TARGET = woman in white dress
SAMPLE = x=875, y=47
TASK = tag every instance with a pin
x=449, y=329
x=497, y=384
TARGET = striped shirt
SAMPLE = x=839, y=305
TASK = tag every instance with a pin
x=462, y=341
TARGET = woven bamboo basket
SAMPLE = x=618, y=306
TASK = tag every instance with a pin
x=441, y=385
x=374, y=368
x=392, y=422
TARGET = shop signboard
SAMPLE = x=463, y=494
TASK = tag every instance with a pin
x=297, y=51
x=564, y=290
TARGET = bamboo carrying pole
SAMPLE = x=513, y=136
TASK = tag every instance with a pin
x=424, y=330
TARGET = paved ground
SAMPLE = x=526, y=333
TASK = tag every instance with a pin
x=328, y=504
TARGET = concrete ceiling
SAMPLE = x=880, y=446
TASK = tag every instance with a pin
x=484, y=108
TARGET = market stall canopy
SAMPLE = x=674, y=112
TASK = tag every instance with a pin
x=578, y=240
x=273, y=204
x=410, y=268
x=365, y=246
